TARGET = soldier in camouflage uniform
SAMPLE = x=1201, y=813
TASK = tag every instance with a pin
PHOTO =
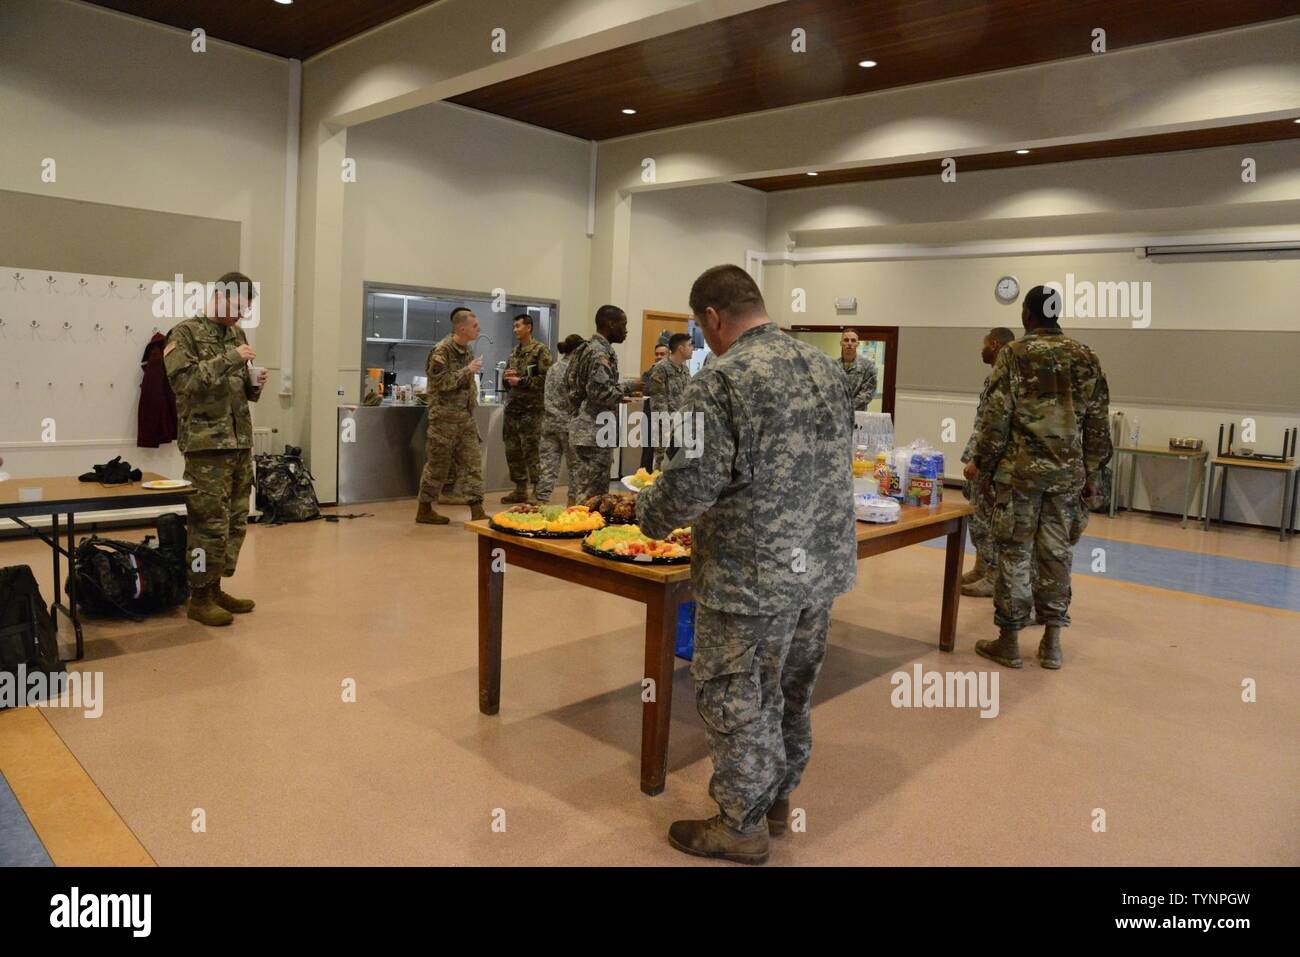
x=521, y=428
x=453, y=441
x=771, y=505
x=978, y=583
x=669, y=378
x=859, y=370
x=556, y=415
x=207, y=362
x=1043, y=435
x=594, y=370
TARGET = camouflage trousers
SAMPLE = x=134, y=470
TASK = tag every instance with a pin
x=521, y=429
x=1036, y=534
x=754, y=677
x=986, y=546
x=216, y=512
x=589, y=474
x=452, y=449
x=554, y=448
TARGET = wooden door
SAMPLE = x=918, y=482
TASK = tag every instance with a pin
x=653, y=324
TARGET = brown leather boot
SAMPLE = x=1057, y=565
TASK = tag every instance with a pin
x=204, y=610
x=476, y=512
x=713, y=838
x=778, y=817
x=1005, y=650
x=236, y=606
x=520, y=494
x=1049, y=649
x=425, y=515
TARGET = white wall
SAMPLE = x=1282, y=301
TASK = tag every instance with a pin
x=133, y=118
x=675, y=236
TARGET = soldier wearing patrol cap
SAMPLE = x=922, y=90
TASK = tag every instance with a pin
x=770, y=502
x=1043, y=436
x=452, y=448
x=207, y=360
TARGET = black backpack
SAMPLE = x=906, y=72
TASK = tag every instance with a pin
x=285, y=489
x=132, y=579
x=26, y=633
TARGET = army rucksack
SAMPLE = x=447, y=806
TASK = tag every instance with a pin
x=27, y=636
x=132, y=579
x=285, y=489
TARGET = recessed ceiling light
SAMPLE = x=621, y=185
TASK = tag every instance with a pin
x=1021, y=152
x=866, y=64
x=284, y=2
x=1296, y=120
x=629, y=112
x=810, y=173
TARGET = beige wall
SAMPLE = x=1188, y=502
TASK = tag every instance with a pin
x=676, y=235
x=133, y=118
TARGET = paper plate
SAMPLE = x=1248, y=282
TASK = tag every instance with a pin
x=165, y=485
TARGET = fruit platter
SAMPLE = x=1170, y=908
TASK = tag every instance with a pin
x=547, y=521
x=642, y=479
x=616, y=508
x=627, y=543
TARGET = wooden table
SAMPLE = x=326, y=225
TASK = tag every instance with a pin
x=65, y=495
x=1290, y=485
x=1195, y=464
x=662, y=589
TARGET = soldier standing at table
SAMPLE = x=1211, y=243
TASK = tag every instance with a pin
x=771, y=505
x=557, y=413
x=594, y=373
x=453, y=442
x=522, y=425
x=1044, y=436
x=669, y=378
x=978, y=583
x=207, y=358
x=859, y=370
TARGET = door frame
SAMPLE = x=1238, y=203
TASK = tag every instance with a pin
x=647, y=354
x=886, y=334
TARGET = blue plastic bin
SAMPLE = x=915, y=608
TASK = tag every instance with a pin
x=686, y=630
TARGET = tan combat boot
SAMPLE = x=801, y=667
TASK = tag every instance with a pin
x=975, y=574
x=425, y=515
x=519, y=495
x=204, y=610
x=713, y=838
x=979, y=588
x=1049, y=649
x=476, y=512
x=1005, y=650
x=236, y=606
x=778, y=817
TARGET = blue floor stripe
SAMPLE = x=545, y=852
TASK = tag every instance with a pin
x=19, y=845
x=1216, y=576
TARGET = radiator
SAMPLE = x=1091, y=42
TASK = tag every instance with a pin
x=265, y=441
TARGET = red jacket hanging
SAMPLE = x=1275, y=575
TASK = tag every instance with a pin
x=156, y=421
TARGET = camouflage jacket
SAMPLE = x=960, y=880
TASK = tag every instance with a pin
x=1044, y=422
x=668, y=382
x=451, y=384
x=603, y=391
x=556, y=411
x=969, y=452
x=770, y=499
x=212, y=385
x=531, y=361
x=862, y=377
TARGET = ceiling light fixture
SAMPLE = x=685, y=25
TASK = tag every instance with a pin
x=810, y=173
x=284, y=2
x=1022, y=152
x=866, y=64
x=629, y=112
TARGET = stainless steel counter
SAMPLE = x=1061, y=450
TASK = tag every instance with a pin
x=385, y=455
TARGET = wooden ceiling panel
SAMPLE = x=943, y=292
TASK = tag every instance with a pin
x=1097, y=149
x=745, y=63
